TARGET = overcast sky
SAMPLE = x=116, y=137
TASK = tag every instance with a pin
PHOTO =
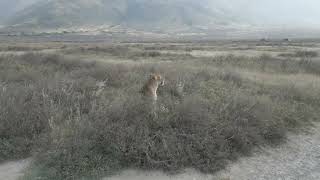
x=279, y=12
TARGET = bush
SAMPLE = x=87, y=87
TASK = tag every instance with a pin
x=50, y=108
x=125, y=133
x=306, y=54
x=22, y=119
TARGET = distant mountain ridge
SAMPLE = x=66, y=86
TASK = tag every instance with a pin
x=219, y=18
x=138, y=14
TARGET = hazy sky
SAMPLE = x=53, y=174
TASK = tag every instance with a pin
x=279, y=12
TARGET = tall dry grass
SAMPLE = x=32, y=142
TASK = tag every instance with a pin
x=50, y=109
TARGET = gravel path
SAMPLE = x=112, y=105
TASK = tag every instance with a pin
x=298, y=159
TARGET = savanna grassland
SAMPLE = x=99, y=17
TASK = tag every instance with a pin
x=76, y=108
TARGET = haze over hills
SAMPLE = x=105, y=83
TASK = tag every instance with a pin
x=209, y=16
x=9, y=8
x=143, y=14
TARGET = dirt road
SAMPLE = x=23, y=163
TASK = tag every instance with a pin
x=298, y=159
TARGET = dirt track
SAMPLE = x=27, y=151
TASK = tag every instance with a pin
x=298, y=159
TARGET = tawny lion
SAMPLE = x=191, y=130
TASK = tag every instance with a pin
x=151, y=87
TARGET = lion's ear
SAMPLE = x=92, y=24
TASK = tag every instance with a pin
x=153, y=76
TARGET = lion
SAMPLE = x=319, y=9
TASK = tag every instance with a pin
x=151, y=86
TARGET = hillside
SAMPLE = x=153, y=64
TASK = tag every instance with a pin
x=9, y=8
x=143, y=14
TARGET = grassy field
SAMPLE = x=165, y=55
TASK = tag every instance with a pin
x=77, y=110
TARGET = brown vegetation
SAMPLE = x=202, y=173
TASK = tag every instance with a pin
x=228, y=104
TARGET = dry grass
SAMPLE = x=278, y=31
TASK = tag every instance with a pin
x=211, y=110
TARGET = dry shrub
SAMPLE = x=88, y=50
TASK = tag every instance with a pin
x=57, y=115
x=306, y=54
